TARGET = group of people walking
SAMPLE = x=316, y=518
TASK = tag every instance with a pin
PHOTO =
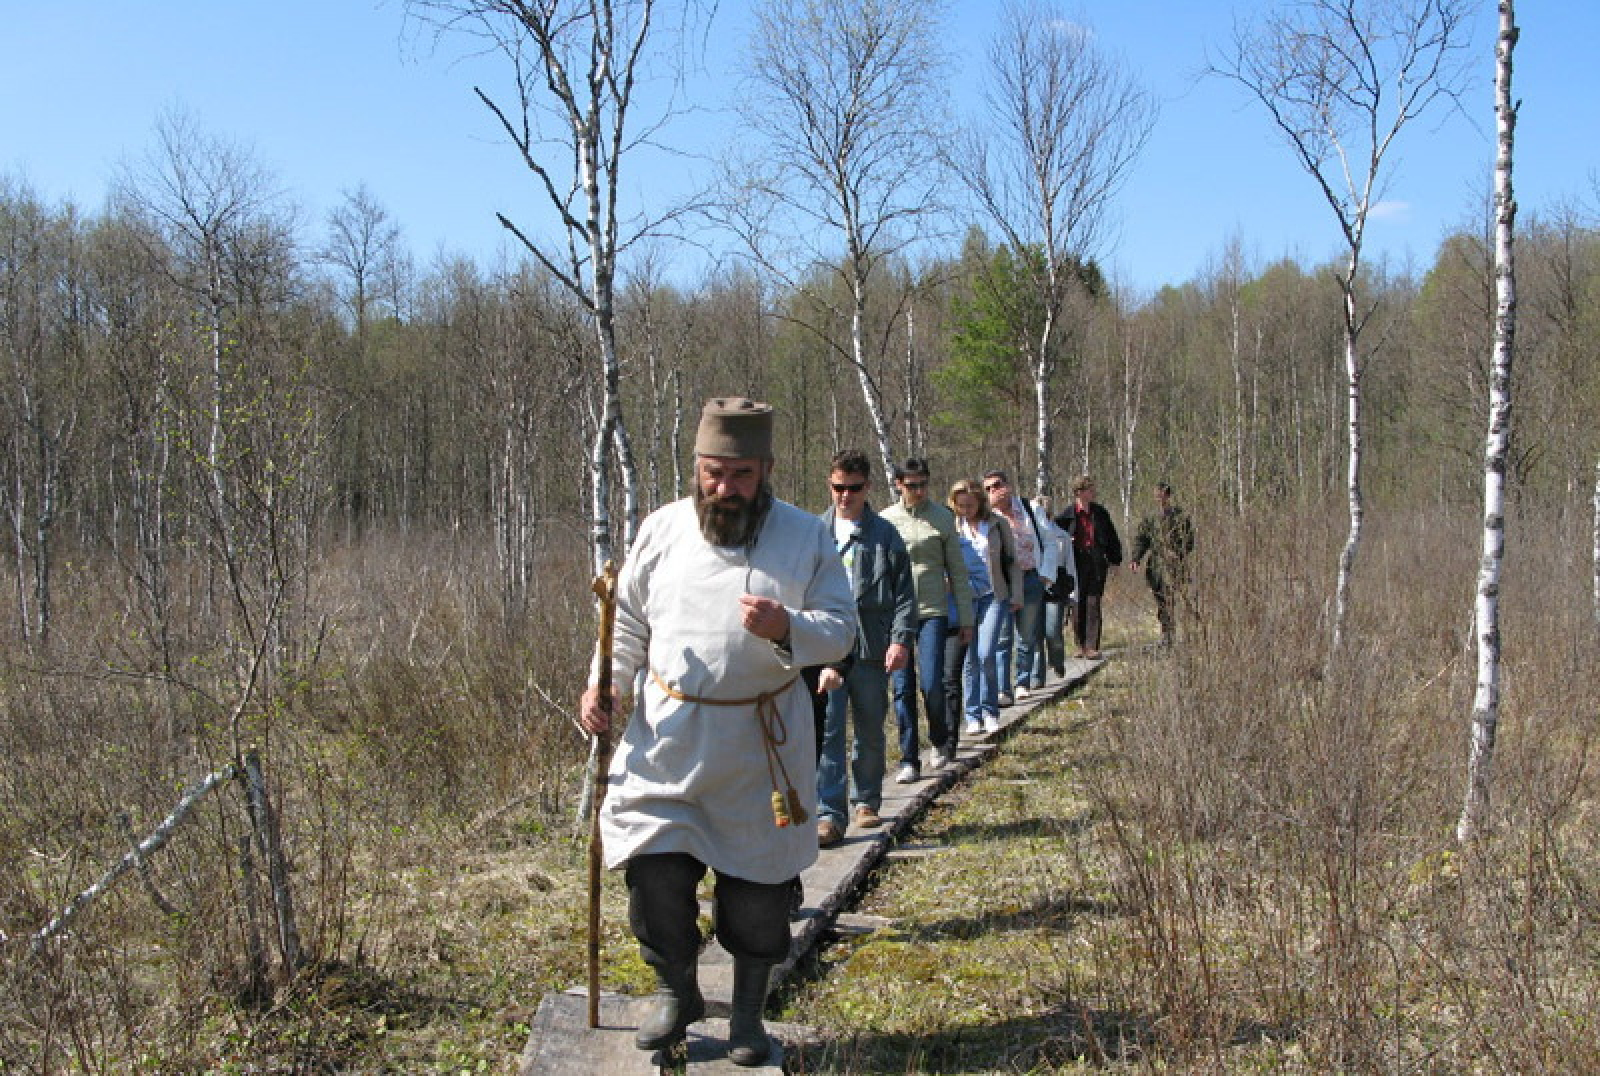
x=961, y=609
x=738, y=617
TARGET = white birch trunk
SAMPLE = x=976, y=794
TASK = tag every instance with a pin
x=677, y=434
x=1595, y=534
x=858, y=359
x=1486, y=699
x=1043, y=367
x=1042, y=438
x=913, y=408
x=1235, y=355
x=1132, y=393
x=1352, y=544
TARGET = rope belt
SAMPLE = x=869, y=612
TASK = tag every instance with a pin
x=786, y=807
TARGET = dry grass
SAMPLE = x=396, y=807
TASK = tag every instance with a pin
x=1229, y=858
x=1232, y=857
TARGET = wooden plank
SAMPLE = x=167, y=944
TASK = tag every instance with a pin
x=853, y=925
x=563, y=1044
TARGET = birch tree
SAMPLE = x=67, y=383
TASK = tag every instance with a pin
x=1486, y=618
x=846, y=103
x=363, y=243
x=42, y=370
x=211, y=202
x=1341, y=80
x=1064, y=123
x=576, y=66
x=1594, y=537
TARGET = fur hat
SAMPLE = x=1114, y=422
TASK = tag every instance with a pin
x=735, y=428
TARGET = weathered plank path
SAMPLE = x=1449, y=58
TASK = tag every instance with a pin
x=563, y=1044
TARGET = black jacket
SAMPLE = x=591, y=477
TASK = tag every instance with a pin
x=1106, y=542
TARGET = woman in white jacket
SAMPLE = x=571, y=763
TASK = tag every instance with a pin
x=1056, y=567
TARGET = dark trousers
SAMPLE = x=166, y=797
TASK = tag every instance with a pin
x=819, y=703
x=1165, y=589
x=1092, y=568
x=752, y=918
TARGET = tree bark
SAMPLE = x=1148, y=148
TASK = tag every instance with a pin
x=1594, y=558
x=1486, y=612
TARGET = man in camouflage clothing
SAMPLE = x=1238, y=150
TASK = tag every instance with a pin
x=1160, y=549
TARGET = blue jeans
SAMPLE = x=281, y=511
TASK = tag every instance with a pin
x=865, y=695
x=928, y=664
x=1029, y=629
x=1054, y=651
x=979, y=672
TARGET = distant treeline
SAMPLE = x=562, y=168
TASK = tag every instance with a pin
x=187, y=369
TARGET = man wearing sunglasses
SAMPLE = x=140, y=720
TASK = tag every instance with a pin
x=939, y=574
x=875, y=558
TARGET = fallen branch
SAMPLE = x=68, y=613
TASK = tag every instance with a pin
x=133, y=858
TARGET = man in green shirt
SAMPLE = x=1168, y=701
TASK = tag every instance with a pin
x=939, y=574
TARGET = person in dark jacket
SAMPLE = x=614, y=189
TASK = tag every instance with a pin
x=1161, y=549
x=1096, y=550
x=875, y=557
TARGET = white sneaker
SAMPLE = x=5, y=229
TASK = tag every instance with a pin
x=1022, y=691
x=943, y=759
x=1004, y=699
x=991, y=724
x=974, y=728
x=907, y=775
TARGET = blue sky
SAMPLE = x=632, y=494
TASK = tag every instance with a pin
x=329, y=94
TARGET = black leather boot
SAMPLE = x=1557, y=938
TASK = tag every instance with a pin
x=677, y=1005
x=747, y=1036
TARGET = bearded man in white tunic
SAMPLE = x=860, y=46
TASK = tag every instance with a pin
x=723, y=598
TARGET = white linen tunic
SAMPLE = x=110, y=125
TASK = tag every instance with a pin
x=691, y=777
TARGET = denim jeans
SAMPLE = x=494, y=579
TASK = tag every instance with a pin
x=1029, y=631
x=980, y=670
x=865, y=695
x=971, y=689
x=1054, y=651
x=928, y=664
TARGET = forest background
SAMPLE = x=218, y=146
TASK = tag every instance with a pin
x=273, y=488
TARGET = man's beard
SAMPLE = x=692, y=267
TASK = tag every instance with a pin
x=732, y=520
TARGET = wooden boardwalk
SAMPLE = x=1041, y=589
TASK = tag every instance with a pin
x=562, y=1043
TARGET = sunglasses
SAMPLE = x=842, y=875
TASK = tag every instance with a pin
x=992, y=486
x=848, y=487
x=908, y=484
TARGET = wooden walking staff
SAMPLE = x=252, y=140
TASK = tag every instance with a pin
x=605, y=587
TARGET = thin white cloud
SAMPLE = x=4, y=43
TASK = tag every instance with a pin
x=1388, y=210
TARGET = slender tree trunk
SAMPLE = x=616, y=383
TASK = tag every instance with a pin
x=1352, y=544
x=858, y=359
x=1486, y=699
x=1132, y=392
x=219, y=405
x=611, y=436
x=913, y=409
x=1236, y=358
x=677, y=432
x=1594, y=559
x=19, y=541
x=1044, y=433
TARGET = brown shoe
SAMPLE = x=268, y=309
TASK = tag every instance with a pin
x=867, y=818
x=828, y=833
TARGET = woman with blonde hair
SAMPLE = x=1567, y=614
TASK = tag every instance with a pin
x=971, y=677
